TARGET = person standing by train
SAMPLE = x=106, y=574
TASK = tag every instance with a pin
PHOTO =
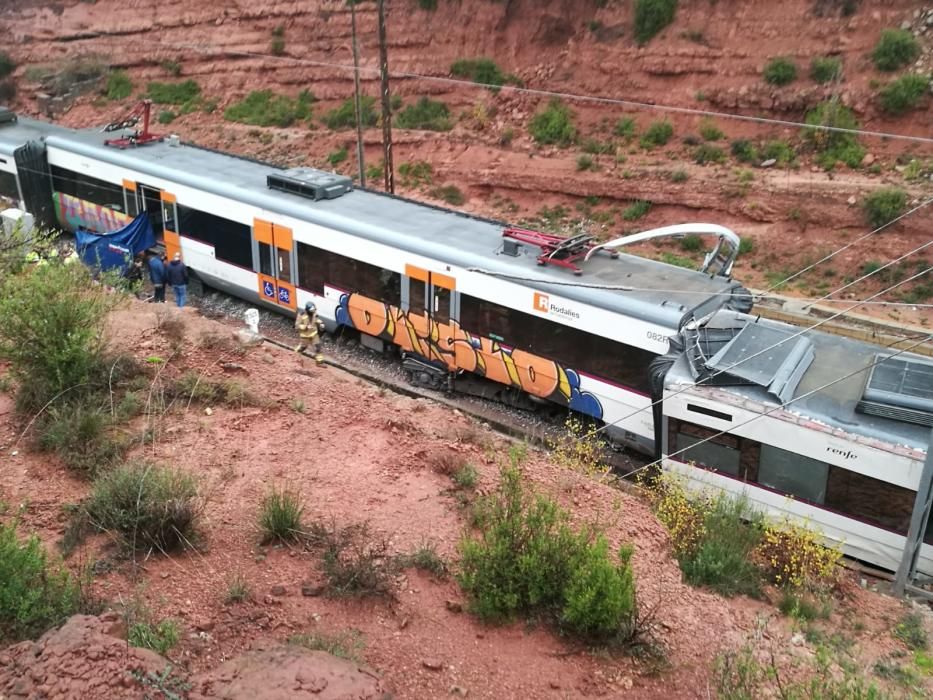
x=309, y=328
x=157, y=277
x=177, y=275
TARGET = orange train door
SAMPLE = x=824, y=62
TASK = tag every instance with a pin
x=276, y=263
x=432, y=313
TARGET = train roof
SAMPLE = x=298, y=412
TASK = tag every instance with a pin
x=663, y=294
x=806, y=361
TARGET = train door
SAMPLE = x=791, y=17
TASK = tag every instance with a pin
x=276, y=258
x=432, y=306
x=150, y=201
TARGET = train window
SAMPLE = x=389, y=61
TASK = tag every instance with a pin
x=132, y=204
x=573, y=348
x=709, y=454
x=90, y=189
x=871, y=500
x=265, y=260
x=317, y=267
x=168, y=216
x=791, y=473
x=416, y=293
x=284, y=264
x=231, y=240
x=441, y=305
x=8, y=186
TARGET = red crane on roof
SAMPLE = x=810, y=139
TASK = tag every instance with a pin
x=556, y=250
x=130, y=121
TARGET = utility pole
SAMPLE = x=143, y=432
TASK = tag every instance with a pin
x=918, y=525
x=356, y=87
x=386, y=102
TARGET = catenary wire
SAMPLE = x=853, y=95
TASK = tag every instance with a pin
x=848, y=245
x=208, y=48
x=782, y=405
x=715, y=374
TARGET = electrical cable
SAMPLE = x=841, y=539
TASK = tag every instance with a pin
x=783, y=405
x=207, y=48
x=715, y=374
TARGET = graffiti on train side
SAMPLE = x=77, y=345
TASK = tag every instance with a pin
x=74, y=213
x=450, y=344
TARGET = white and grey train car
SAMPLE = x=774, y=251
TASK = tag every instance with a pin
x=438, y=284
x=847, y=458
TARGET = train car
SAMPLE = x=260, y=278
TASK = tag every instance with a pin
x=847, y=458
x=469, y=308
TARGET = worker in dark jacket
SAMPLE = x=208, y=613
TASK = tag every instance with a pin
x=177, y=275
x=157, y=277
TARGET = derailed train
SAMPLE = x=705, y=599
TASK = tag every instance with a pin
x=665, y=357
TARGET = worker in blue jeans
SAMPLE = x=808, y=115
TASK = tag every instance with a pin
x=176, y=274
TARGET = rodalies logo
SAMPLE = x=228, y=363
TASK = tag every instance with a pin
x=542, y=303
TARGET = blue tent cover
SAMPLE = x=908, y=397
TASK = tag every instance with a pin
x=115, y=250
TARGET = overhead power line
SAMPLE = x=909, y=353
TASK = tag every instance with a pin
x=619, y=102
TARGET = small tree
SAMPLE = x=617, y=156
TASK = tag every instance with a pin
x=52, y=321
x=825, y=69
x=895, y=48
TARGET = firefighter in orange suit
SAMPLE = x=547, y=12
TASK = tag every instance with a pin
x=309, y=328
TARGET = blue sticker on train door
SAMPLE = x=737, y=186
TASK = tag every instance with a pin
x=268, y=289
x=285, y=296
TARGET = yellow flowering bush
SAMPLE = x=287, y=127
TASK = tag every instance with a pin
x=683, y=516
x=578, y=448
x=793, y=555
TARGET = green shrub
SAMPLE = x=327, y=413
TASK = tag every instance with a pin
x=636, y=210
x=160, y=636
x=424, y=558
x=119, y=85
x=679, y=176
x=166, y=116
x=35, y=594
x=651, y=16
x=825, y=69
x=265, y=108
x=595, y=146
x=910, y=630
x=466, y=476
x=277, y=46
x=7, y=64
x=450, y=194
x=745, y=151
x=707, y=153
x=722, y=560
x=657, y=134
x=346, y=645
x=192, y=386
x=553, y=125
x=355, y=564
x=746, y=245
x=904, y=93
x=280, y=516
x=584, y=162
x=415, y=173
x=172, y=67
x=338, y=156
x=884, y=205
x=480, y=70
x=691, y=243
x=709, y=130
x=780, y=71
x=344, y=116
x=79, y=432
x=834, y=146
x=426, y=114
x=427, y=5
x=147, y=507
x=52, y=322
x=779, y=151
x=237, y=590
x=529, y=561
x=895, y=48
x=173, y=93
x=625, y=128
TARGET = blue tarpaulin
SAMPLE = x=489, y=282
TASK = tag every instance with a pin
x=115, y=250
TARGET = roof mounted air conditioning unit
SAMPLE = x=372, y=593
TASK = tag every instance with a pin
x=310, y=182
